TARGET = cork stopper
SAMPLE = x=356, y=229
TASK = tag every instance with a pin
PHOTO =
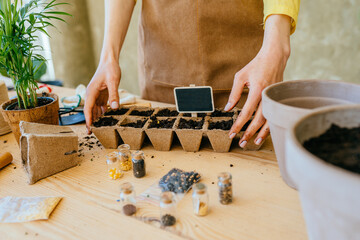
x=224, y=177
x=167, y=197
x=200, y=188
x=126, y=188
x=111, y=157
x=138, y=155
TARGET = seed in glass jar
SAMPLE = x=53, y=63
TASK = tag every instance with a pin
x=129, y=209
x=168, y=220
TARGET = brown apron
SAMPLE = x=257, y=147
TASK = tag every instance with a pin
x=201, y=42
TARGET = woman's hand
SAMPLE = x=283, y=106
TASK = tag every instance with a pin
x=265, y=69
x=104, y=84
x=102, y=87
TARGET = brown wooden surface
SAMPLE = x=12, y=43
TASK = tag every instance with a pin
x=264, y=206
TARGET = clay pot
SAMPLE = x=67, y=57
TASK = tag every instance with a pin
x=329, y=194
x=4, y=126
x=47, y=114
x=284, y=103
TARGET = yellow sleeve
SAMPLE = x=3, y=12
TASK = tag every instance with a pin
x=286, y=7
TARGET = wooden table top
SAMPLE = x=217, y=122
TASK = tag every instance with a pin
x=264, y=206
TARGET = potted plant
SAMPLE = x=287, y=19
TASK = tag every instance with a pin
x=19, y=25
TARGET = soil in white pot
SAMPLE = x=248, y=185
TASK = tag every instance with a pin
x=338, y=146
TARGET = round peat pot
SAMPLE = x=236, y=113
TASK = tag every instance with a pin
x=330, y=195
x=286, y=102
x=47, y=114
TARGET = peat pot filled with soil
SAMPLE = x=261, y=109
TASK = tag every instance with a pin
x=46, y=112
x=190, y=132
x=324, y=148
x=286, y=102
x=104, y=129
x=160, y=132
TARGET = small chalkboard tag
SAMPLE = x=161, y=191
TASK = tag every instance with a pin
x=194, y=99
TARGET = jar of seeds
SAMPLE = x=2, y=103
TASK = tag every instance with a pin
x=113, y=166
x=124, y=156
x=138, y=161
x=127, y=198
x=225, y=187
x=200, y=198
x=167, y=209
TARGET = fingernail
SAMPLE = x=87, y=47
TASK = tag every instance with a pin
x=243, y=144
x=227, y=107
x=232, y=135
x=114, y=105
x=258, y=141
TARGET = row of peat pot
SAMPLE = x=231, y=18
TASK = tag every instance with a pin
x=298, y=111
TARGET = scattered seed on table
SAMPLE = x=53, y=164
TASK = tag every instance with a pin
x=231, y=165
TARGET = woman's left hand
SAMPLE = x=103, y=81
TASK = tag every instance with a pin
x=264, y=70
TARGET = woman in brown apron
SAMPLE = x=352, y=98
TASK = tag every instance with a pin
x=201, y=42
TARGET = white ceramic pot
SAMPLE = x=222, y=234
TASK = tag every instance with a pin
x=286, y=102
x=330, y=195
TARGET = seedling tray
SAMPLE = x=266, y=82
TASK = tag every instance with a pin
x=160, y=125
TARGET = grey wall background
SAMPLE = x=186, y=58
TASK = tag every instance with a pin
x=326, y=44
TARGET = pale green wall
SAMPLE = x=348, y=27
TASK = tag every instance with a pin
x=326, y=44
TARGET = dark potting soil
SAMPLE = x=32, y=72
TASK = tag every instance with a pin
x=129, y=209
x=139, y=168
x=338, y=146
x=42, y=101
x=168, y=220
x=167, y=123
x=120, y=111
x=105, y=121
x=224, y=125
x=219, y=113
x=178, y=181
x=142, y=113
x=137, y=124
x=198, y=115
x=190, y=124
x=167, y=113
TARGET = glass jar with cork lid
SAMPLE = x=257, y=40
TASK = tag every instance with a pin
x=225, y=188
x=200, y=199
x=113, y=166
x=167, y=209
x=138, y=161
x=124, y=156
x=128, y=199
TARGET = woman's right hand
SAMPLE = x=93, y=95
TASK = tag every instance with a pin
x=102, y=88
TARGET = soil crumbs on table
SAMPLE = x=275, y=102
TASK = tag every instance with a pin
x=338, y=146
x=219, y=113
x=167, y=123
x=167, y=113
x=142, y=113
x=190, y=124
x=137, y=124
x=120, y=111
x=105, y=121
x=223, y=125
